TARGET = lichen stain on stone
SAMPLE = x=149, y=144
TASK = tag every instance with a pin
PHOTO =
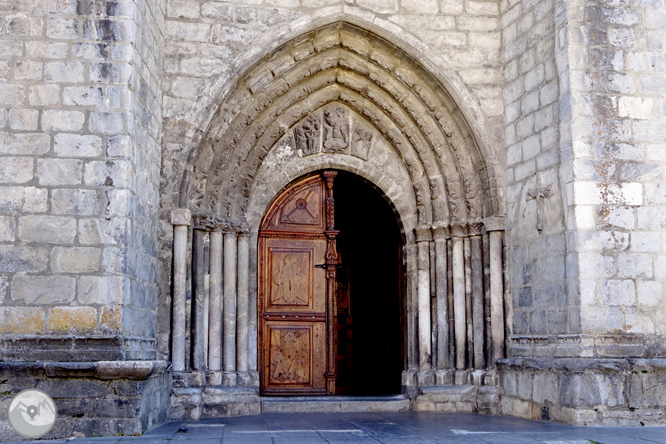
x=72, y=319
x=603, y=169
x=27, y=320
x=110, y=319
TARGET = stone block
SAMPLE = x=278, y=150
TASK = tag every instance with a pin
x=634, y=265
x=21, y=320
x=23, y=119
x=16, y=170
x=111, y=173
x=619, y=292
x=71, y=320
x=104, y=290
x=43, y=290
x=46, y=50
x=28, y=70
x=83, y=96
x=62, y=29
x=7, y=229
x=109, y=123
x=107, y=72
x=59, y=171
x=24, y=143
x=425, y=7
x=102, y=231
x=75, y=201
x=23, y=259
x=54, y=120
x=44, y=95
x=108, y=30
x=75, y=145
x=68, y=72
x=188, y=31
x=75, y=260
x=11, y=94
x=47, y=229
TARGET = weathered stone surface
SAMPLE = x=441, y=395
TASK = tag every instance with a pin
x=21, y=320
x=47, y=229
x=23, y=259
x=75, y=260
x=43, y=290
x=103, y=290
x=71, y=319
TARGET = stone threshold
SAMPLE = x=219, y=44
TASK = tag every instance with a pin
x=331, y=404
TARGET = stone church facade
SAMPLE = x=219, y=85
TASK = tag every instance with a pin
x=152, y=150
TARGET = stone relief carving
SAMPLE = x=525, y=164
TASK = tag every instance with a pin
x=330, y=131
x=306, y=136
x=361, y=142
x=336, y=130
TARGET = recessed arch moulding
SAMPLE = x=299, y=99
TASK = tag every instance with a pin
x=342, y=97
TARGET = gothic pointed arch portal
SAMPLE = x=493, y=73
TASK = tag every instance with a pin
x=342, y=98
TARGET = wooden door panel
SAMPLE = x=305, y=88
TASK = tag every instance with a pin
x=291, y=283
x=295, y=309
x=295, y=357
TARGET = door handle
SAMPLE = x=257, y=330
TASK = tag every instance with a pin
x=324, y=266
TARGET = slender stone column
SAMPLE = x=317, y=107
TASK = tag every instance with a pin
x=469, y=353
x=423, y=238
x=495, y=227
x=442, y=294
x=243, y=299
x=229, y=325
x=180, y=219
x=215, y=302
x=476, y=244
x=198, y=297
x=459, y=315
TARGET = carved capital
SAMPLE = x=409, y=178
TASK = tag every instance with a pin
x=494, y=223
x=475, y=228
x=181, y=216
x=423, y=234
x=458, y=230
x=441, y=232
x=243, y=229
x=204, y=222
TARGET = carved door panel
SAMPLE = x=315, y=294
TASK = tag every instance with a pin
x=294, y=292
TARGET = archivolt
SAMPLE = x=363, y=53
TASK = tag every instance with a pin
x=347, y=64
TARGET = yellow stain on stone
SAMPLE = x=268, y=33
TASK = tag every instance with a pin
x=72, y=319
x=111, y=319
x=21, y=320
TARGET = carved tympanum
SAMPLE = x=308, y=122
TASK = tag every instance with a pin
x=336, y=130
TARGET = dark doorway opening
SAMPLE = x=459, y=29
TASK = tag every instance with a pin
x=369, y=307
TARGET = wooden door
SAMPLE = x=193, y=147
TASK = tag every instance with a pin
x=297, y=260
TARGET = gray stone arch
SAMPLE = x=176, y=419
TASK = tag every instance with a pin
x=441, y=180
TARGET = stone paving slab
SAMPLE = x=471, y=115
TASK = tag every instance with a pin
x=384, y=427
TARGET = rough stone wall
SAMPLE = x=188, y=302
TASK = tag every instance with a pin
x=80, y=131
x=543, y=299
x=618, y=79
x=211, y=43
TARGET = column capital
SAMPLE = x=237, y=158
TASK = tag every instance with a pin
x=475, y=228
x=205, y=222
x=458, y=230
x=243, y=229
x=181, y=216
x=494, y=223
x=441, y=232
x=423, y=233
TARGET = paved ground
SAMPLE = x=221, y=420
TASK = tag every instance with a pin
x=373, y=428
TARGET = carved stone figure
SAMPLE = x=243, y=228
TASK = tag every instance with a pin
x=362, y=140
x=306, y=136
x=336, y=130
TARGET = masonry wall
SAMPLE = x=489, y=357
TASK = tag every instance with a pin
x=543, y=291
x=618, y=79
x=80, y=128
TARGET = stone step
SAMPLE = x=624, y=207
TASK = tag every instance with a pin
x=330, y=404
x=458, y=399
